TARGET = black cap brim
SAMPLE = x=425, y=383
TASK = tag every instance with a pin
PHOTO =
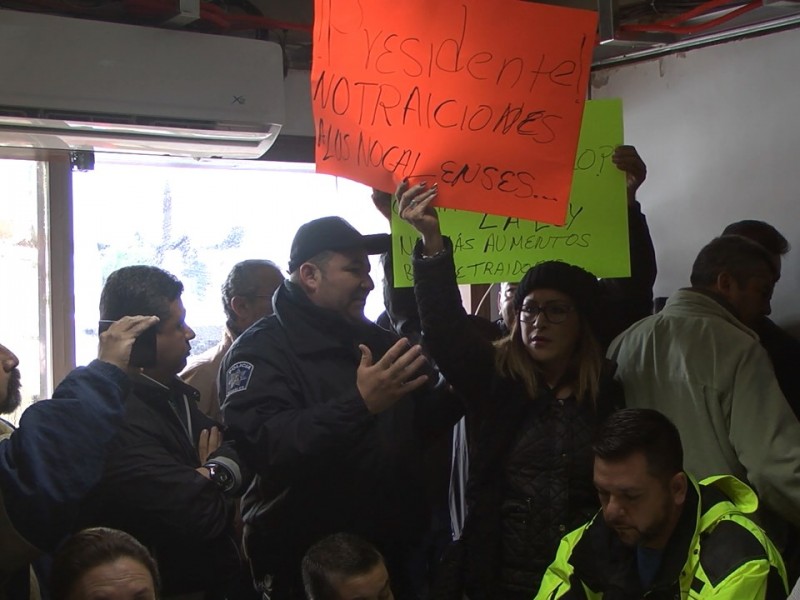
x=377, y=243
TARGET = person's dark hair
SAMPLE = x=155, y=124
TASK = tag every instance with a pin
x=91, y=548
x=738, y=256
x=139, y=290
x=644, y=430
x=338, y=555
x=244, y=280
x=762, y=233
x=320, y=261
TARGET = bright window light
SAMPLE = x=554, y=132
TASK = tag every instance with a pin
x=196, y=219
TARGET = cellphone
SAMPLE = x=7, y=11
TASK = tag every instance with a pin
x=143, y=351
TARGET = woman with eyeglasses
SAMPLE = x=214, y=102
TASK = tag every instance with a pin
x=533, y=400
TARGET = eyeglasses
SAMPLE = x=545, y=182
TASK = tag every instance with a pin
x=555, y=313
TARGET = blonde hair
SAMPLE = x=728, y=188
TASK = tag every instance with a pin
x=512, y=360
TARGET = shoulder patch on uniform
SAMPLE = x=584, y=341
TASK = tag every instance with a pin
x=726, y=548
x=237, y=377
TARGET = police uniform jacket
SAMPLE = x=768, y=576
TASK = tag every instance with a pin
x=323, y=462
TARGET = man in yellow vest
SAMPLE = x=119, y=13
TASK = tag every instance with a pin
x=660, y=533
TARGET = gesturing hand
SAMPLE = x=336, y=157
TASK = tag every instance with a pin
x=383, y=383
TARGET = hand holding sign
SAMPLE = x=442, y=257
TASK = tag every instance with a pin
x=627, y=159
x=414, y=207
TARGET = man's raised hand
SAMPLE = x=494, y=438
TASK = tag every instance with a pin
x=383, y=383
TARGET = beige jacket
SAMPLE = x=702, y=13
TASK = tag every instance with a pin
x=706, y=371
x=201, y=373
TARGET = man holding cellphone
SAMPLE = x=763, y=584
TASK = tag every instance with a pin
x=169, y=479
x=331, y=412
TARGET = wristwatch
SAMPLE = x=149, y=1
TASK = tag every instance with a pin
x=220, y=475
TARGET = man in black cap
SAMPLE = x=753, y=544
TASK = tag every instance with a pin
x=331, y=412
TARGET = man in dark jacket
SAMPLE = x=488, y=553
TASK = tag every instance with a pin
x=57, y=454
x=783, y=348
x=330, y=411
x=168, y=479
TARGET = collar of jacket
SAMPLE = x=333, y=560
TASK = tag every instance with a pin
x=150, y=388
x=228, y=336
x=6, y=429
x=723, y=494
x=603, y=562
x=312, y=329
x=694, y=302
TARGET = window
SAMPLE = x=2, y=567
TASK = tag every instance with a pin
x=24, y=303
x=196, y=220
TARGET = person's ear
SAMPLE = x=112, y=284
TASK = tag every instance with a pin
x=678, y=487
x=309, y=277
x=725, y=283
x=239, y=305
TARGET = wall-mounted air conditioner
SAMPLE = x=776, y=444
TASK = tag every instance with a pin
x=76, y=84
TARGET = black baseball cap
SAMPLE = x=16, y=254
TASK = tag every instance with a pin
x=332, y=233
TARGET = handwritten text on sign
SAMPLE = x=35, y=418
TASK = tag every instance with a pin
x=484, y=97
x=490, y=249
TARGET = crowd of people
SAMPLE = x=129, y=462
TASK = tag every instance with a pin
x=603, y=451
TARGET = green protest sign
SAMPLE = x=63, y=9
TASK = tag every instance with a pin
x=491, y=248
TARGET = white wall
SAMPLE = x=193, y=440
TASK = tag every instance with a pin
x=719, y=129
x=299, y=119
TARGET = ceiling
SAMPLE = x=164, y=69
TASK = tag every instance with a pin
x=628, y=30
